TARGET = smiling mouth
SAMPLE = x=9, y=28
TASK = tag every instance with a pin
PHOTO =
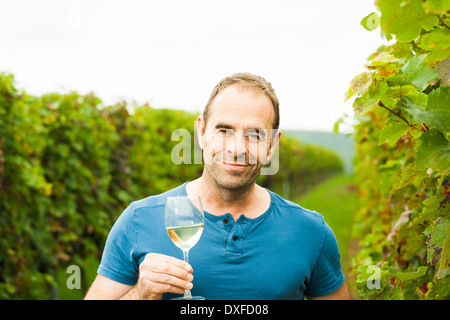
x=234, y=165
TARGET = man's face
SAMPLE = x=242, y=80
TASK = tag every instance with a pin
x=237, y=139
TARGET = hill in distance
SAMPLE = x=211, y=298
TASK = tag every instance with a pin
x=342, y=144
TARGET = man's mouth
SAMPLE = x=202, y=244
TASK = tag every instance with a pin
x=234, y=165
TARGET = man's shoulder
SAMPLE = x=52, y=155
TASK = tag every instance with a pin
x=295, y=210
x=158, y=200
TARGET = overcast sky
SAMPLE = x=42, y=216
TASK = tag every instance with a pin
x=172, y=53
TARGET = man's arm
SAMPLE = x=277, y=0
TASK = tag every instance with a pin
x=158, y=274
x=104, y=288
x=340, y=294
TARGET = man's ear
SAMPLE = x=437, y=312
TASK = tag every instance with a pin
x=200, y=122
x=276, y=136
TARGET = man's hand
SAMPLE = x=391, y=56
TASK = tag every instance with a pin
x=159, y=274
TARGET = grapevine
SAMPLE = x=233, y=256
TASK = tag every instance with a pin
x=70, y=165
x=402, y=166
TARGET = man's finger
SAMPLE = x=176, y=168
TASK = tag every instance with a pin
x=164, y=258
x=167, y=279
x=170, y=269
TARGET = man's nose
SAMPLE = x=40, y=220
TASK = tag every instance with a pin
x=237, y=145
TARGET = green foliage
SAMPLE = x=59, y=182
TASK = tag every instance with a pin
x=301, y=166
x=341, y=144
x=403, y=155
x=69, y=166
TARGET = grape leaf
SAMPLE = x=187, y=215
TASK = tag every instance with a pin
x=405, y=19
x=444, y=265
x=415, y=104
x=410, y=79
x=431, y=210
x=418, y=73
x=437, y=6
x=361, y=83
x=382, y=59
x=409, y=175
x=436, y=237
x=393, y=130
x=443, y=71
x=438, y=108
x=336, y=125
x=411, y=275
x=438, y=43
x=368, y=101
x=433, y=151
x=440, y=290
x=436, y=114
x=402, y=50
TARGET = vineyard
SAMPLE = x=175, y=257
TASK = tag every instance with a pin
x=402, y=165
x=70, y=165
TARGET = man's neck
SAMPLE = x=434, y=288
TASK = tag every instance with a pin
x=251, y=201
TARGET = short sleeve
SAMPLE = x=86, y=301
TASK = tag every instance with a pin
x=117, y=261
x=327, y=274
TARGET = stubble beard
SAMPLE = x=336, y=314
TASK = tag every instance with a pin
x=233, y=180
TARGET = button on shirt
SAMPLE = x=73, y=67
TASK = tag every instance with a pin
x=284, y=253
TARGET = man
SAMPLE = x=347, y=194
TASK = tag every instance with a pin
x=255, y=245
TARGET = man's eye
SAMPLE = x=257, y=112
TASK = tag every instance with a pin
x=253, y=137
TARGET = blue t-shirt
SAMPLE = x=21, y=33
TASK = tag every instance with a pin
x=284, y=253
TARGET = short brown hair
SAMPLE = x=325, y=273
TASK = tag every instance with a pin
x=246, y=79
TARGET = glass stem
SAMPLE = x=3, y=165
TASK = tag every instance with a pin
x=187, y=293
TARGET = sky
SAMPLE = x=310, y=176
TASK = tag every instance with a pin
x=172, y=53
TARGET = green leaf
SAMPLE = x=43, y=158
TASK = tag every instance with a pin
x=382, y=59
x=444, y=264
x=436, y=237
x=411, y=275
x=361, y=83
x=397, y=293
x=433, y=151
x=418, y=73
x=336, y=125
x=438, y=109
x=438, y=43
x=368, y=101
x=348, y=94
x=393, y=130
x=443, y=71
x=437, y=6
x=439, y=290
x=405, y=19
x=431, y=211
x=432, y=110
x=398, y=79
x=402, y=50
x=410, y=175
x=415, y=104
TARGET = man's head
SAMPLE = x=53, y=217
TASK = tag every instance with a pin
x=236, y=130
x=250, y=81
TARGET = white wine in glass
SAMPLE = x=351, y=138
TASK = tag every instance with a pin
x=184, y=219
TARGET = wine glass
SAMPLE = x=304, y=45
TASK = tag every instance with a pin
x=184, y=219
